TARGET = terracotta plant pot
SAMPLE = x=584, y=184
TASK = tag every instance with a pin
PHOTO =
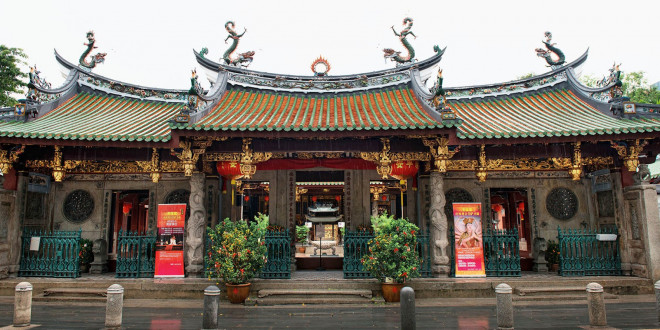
x=302, y=249
x=237, y=293
x=554, y=267
x=391, y=291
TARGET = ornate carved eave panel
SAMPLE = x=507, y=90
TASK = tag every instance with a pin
x=629, y=152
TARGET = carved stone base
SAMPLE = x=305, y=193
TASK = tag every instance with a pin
x=440, y=271
x=100, y=264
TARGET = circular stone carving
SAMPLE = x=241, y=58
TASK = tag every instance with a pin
x=78, y=206
x=561, y=203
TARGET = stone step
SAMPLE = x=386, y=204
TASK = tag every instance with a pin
x=314, y=292
x=75, y=292
x=68, y=299
x=565, y=297
x=311, y=300
x=316, y=285
x=550, y=290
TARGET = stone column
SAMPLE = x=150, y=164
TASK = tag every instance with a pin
x=647, y=220
x=211, y=304
x=503, y=293
x=195, y=227
x=596, y=305
x=23, y=304
x=15, y=225
x=438, y=228
x=114, y=306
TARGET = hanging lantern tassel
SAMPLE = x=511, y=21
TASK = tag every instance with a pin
x=233, y=183
x=414, y=184
x=224, y=185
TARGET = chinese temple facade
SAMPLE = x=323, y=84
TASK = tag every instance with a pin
x=99, y=155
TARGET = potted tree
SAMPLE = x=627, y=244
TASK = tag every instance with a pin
x=301, y=236
x=392, y=256
x=552, y=255
x=85, y=255
x=237, y=252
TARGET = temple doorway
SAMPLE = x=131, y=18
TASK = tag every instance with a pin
x=130, y=211
x=509, y=210
x=253, y=198
x=319, y=207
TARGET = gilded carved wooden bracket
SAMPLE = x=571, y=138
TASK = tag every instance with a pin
x=153, y=166
x=576, y=163
x=382, y=159
x=249, y=159
x=8, y=158
x=441, y=152
x=58, y=170
x=482, y=165
x=629, y=152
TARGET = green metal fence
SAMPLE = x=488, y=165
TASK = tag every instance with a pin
x=278, y=263
x=355, y=247
x=501, y=252
x=136, y=254
x=586, y=252
x=424, y=251
x=52, y=254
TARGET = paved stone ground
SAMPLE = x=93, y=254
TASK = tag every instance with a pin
x=636, y=312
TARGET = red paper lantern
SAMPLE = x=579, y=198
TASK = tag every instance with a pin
x=266, y=198
x=314, y=198
x=127, y=208
x=337, y=198
x=404, y=170
x=246, y=198
x=383, y=197
x=229, y=170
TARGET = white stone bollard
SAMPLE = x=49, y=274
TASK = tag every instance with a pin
x=23, y=304
x=114, y=306
x=408, y=318
x=657, y=299
x=503, y=292
x=596, y=303
x=211, y=304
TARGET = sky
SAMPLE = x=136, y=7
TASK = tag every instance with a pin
x=150, y=43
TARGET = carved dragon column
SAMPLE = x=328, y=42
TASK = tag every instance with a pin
x=439, y=235
x=195, y=227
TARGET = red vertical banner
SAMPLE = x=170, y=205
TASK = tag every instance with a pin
x=169, y=243
x=468, y=240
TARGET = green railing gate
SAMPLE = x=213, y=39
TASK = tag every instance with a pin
x=136, y=254
x=581, y=253
x=53, y=254
x=501, y=252
x=424, y=251
x=278, y=263
x=355, y=247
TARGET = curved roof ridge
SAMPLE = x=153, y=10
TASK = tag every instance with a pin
x=519, y=85
x=217, y=67
x=112, y=86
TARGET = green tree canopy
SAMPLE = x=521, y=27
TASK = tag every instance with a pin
x=10, y=74
x=638, y=89
x=635, y=86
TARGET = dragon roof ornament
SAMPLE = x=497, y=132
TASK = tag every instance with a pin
x=395, y=56
x=243, y=59
x=549, y=51
x=96, y=58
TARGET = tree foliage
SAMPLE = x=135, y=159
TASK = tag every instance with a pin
x=392, y=252
x=10, y=74
x=237, y=250
x=635, y=86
